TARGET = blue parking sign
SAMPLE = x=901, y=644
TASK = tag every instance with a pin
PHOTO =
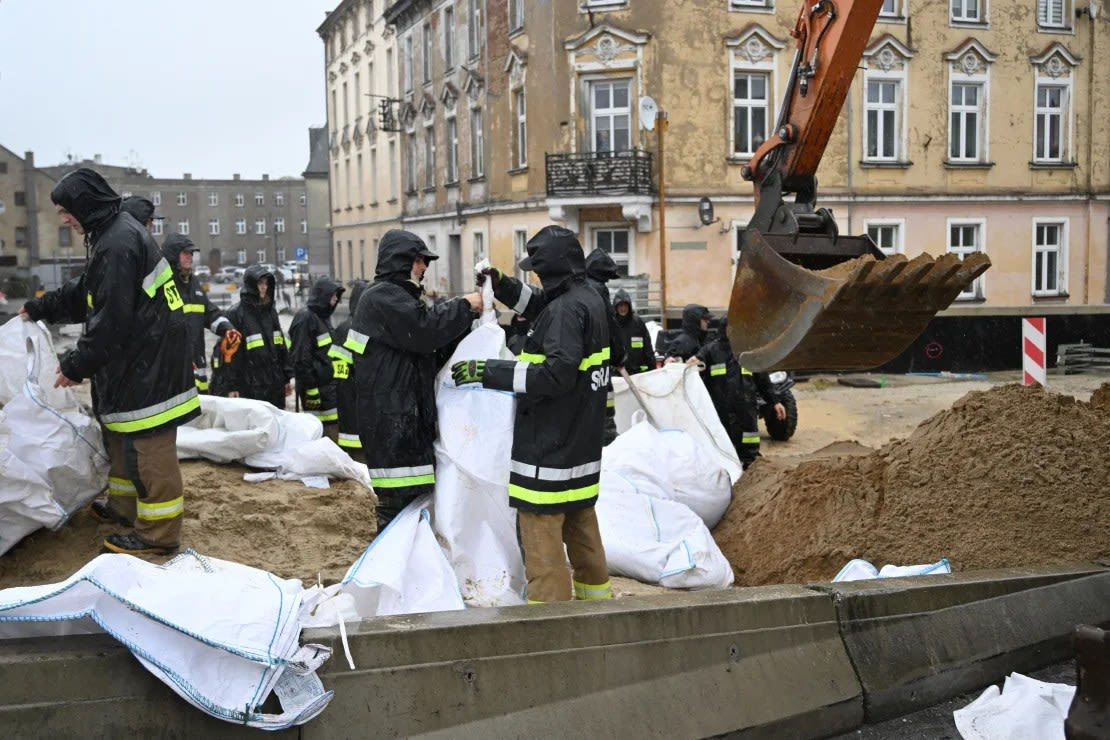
x=301, y=253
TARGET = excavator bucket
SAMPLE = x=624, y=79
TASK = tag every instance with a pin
x=852, y=309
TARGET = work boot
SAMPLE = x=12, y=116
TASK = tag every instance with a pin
x=131, y=544
x=105, y=514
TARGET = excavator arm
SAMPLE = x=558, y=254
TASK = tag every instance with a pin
x=806, y=297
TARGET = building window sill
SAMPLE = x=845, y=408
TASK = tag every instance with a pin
x=1055, y=29
x=392, y=201
x=348, y=208
x=336, y=210
x=740, y=159
x=451, y=184
x=892, y=19
x=864, y=164
x=373, y=204
x=412, y=192
x=741, y=8
x=514, y=32
x=519, y=170
x=950, y=165
x=1053, y=165
x=981, y=25
x=1054, y=298
x=970, y=301
x=431, y=189
x=477, y=178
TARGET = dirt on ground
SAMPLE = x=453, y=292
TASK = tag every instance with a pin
x=1006, y=476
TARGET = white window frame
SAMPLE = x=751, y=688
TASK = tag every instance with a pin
x=304, y=226
x=1046, y=9
x=241, y=226
x=743, y=5
x=261, y=256
x=899, y=108
x=1061, y=251
x=279, y=255
x=1066, y=118
x=520, y=128
x=303, y=199
x=408, y=64
x=373, y=175
x=213, y=200
x=980, y=111
x=478, y=249
x=213, y=227
x=516, y=16
x=594, y=114
x=183, y=227
x=241, y=257
x=474, y=29
x=896, y=11
x=762, y=68
x=450, y=27
x=597, y=228
x=260, y=199
x=279, y=199
x=410, y=156
x=279, y=225
x=157, y=227
x=899, y=226
x=430, y=155
x=451, y=134
x=239, y=200
x=393, y=179
x=477, y=143
x=182, y=199
x=426, y=67
x=520, y=242
x=260, y=226
x=964, y=17
x=606, y=5
x=156, y=198
x=978, y=289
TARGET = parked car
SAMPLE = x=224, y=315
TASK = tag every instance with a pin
x=229, y=274
x=202, y=272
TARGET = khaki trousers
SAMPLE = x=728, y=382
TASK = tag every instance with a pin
x=331, y=431
x=542, y=537
x=145, y=486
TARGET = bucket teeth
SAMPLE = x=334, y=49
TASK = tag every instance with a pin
x=855, y=315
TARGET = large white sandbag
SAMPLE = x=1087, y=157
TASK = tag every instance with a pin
x=657, y=541
x=677, y=399
x=243, y=429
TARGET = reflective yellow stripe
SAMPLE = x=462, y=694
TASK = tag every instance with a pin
x=720, y=369
x=591, y=592
x=745, y=371
x=121, y=487
x=553, y=498
x=155, y=420
x=254, y=341
x=279, y=339
x=323, y=340
x=194, y=308
x=749, y=439
x=201, y=384
x=637, y=344
x=157, y=277
x=88, y=299
x=312, y=392
x=351, y=441
x=331, y=415
x=610, y=403
x=155, y=512
x=356, y=341
x=412, y=480
x=597, y=358
x=531, y=358
x=339, y=353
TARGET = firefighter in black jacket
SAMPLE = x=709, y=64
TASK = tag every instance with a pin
x=560, y=379
x=346, y=385
x=394, y=338
x=311, y=336
x=199, y=311
x=695, y=329
x=600, y=269
x=639, y=353
x=733, y=389
x=260, y=367
x=135, y=348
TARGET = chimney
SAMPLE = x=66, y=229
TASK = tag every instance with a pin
x=235, y=176
x=29, y=158
x=265, y=176
x=188, y=175
x=96, y=158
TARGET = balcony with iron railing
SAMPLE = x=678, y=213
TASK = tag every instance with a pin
x=573, y=175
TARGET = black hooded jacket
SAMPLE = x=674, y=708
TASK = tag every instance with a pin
x=260, y=369
x=394, y=339
x=141, y=209
x=691, y=338
x=600, y=269
x=559, y=378
x=135, y=343
x=200, y=312
x=311, y=336
x=343, y=370
x=639, y=353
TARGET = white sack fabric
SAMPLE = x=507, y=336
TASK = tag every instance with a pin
x=220, y=634
x=262, y=436
x=677, y=399
x=52, y=458
x=1025, y=708
x=860, y=570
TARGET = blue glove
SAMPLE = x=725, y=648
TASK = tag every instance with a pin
x=468, y=371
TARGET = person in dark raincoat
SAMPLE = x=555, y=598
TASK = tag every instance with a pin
x=695, y=330
x=141, y=209
x=516, y=332
x=260, y=368
x=311, y=335
x=639, y=352
x=346, y=384
x=135, y=348
x=559, y=379
x=395, y=338
x=200, y=312
x=600, y=269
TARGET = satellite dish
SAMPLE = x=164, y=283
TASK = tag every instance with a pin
x=648, y=111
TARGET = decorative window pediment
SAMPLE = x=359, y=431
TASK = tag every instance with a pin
x=355, y=58
x=607, y=46
x=449, y=94
x=331, y=76
x=888, y=54
x=1055, y=61
x=473, y=84
x=970, y=58
x=516, y=63
x=368, y=47
x=754, y=45
x=343, y=68
x=408, y=114
x=428, y=106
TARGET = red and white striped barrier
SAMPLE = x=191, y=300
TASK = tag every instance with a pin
x=1033, y=350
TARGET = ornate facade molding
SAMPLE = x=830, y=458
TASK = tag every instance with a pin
x=888, y=54
x=754, y=45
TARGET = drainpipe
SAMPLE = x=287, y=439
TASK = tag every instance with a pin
x=851, y=164
x=1090, y=158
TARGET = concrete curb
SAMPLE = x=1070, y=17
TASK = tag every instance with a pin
x=768, y=662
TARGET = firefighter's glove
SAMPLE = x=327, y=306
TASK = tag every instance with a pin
x=468, y=371
x=232, y=335
x=312, y=399
x=492, y=274
x=229, y=345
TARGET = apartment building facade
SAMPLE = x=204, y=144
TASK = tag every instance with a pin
x=364, y=143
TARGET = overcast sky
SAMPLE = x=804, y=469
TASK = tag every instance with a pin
x=210, y=87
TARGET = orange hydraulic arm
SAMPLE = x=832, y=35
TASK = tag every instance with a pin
x=831, y=36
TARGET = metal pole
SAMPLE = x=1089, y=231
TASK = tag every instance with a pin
x=662, y=123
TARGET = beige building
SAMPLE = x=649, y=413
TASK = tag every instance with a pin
x=364, y=149
x=969, y=127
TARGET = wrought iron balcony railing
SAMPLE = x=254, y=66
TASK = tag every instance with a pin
x=625, y=172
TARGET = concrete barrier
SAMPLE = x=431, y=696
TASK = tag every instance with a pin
x=769, y=662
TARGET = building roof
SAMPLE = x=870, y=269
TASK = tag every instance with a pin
x=318, y=156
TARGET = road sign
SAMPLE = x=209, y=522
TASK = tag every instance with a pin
x=300, y=253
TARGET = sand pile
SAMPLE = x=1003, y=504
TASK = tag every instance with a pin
x=281, y=526
x=1006, y=477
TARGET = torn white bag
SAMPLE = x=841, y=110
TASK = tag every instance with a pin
x=223, y=636
x=1025, y=708
x=52, y=457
